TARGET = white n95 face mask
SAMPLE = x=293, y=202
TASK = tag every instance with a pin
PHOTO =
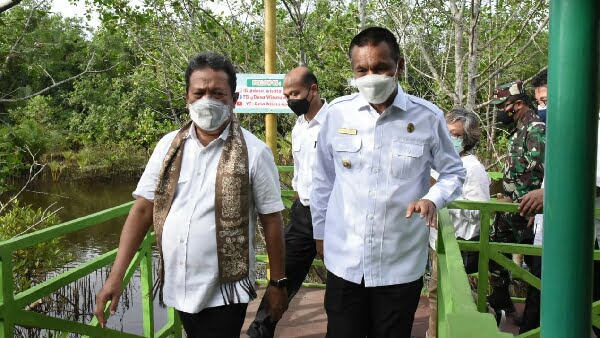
x=209, y=114
x=376, y=88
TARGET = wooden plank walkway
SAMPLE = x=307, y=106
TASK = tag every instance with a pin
x=306, y=316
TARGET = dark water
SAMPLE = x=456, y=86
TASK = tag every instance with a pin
x=79, y=198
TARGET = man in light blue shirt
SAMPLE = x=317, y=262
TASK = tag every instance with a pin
x=371, y=200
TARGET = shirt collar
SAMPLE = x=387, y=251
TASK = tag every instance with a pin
x=319, y=117
x=192, y=133
x=399, y=100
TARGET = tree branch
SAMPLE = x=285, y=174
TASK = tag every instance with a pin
x=519, y=52
x=526, y=22
x=8, y=4
x=59, y=83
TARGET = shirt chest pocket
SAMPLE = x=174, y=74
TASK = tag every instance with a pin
x=407, y=158
x=346, y=153
x=296, y=147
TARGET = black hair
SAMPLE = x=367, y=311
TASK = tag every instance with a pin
x=540, y=80
x=213, y=61
x=374, y=36
x=309, y=79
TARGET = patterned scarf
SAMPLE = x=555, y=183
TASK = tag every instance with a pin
x=232, y=199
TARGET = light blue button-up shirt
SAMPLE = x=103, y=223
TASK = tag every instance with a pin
x=368, y=168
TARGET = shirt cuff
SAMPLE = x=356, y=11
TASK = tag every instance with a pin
x=270, y=208
x=149, y=195
x=436, y=199
x=318, y=232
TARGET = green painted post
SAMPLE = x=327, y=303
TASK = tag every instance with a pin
x=7, y=326
x=570, y=167
x=146, y=278
x=484, y=260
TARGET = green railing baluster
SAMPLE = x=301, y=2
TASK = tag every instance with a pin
x=484, y=260
x=7, y=326
x=146, y=279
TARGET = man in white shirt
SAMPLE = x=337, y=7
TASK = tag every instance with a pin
x=201, y=189
x=371, y=201
x=301, y=89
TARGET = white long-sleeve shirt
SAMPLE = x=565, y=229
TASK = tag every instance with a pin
x=304, y=149
x=189, y=240
x=369, y=167
x=476, y=188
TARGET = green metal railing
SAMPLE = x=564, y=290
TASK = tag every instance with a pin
x=451, y=268
x=457, y=313
x=12, y=306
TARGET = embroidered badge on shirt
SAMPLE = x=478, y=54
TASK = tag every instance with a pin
x=410, y=128
x=347, y=131
x=346, y=164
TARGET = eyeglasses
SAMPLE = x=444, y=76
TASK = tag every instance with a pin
x=542, y=102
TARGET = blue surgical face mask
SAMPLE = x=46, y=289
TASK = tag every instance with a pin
x=457, y=142
x=542, y=113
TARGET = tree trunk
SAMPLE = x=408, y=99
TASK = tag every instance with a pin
x=473, y=59
x=362, y=13
x=459, y=29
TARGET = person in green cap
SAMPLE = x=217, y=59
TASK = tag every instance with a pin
x=523, y=172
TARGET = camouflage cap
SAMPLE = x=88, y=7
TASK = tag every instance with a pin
x=503, y=92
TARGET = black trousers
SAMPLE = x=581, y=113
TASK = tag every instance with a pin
x=531, y=314
x=356, y=311
x=300, y=250
x=215, y=322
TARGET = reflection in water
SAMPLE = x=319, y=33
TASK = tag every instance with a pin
x=76, y=301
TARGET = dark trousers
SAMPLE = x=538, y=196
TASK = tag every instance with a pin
x=508, y=228
x=300, y=250
x=215, y=322
x=356, y=311
x=531, y=314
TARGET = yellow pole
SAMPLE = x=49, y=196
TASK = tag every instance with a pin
x=270, y=45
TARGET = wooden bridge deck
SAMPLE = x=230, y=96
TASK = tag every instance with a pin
x=306, y=316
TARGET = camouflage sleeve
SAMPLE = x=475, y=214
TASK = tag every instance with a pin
x=535, y=146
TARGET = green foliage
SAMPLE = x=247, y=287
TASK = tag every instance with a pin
x=31, y=265
x=140, y=52
x=10, y=159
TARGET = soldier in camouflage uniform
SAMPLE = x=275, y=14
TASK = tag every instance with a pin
x=523, y=172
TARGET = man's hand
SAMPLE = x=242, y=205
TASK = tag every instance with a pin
x=427, y=209
x=319, y=245
x=532, y=203
x=111, y=290
x=278, y=302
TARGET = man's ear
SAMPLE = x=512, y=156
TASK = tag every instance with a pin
x=236, y=96
x=400, y=66
x=314, y=88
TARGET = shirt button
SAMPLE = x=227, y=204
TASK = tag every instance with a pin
x=368, y=240
x=370, y=217
x=180, y=263
x=375, y=170
x=371, y=193
x=378, y=146
x=181, y=241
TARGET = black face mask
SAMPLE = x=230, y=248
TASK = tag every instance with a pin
x=300, y=106
x=505, y=117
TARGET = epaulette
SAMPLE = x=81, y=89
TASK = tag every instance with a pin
x=342, y=99
x=432, y=107
x=535, y=124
